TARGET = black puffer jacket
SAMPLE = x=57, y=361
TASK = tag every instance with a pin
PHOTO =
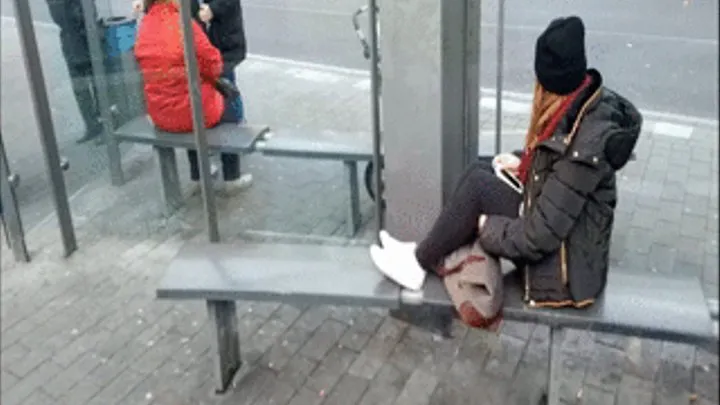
x=227, y=31
x=562, y=238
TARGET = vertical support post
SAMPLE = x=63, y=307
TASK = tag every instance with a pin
x=429, y=48
x=225, y=342
x=353, y=217
x=193, y=75
x=499, y=76
x=460, y=89
x=553, y=388
x=97, y=60
x=9, y=212
x=169, y=179
x=376, y=117
x=43, y=117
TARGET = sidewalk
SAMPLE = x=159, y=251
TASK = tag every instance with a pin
x=87, y=330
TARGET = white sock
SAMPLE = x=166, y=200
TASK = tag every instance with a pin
x=400, y=265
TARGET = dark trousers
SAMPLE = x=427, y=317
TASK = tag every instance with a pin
x=478, y=192
x=230, y=161
x=85, y=92
x=68, y=15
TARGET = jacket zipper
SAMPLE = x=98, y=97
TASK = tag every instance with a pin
x=563, y=264
x=528, y=204
x=568, y=140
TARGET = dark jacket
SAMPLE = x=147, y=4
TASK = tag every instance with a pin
x=226, y=31
x=68, y=15
x=563, y=236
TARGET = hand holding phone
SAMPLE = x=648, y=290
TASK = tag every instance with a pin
x=506, y=161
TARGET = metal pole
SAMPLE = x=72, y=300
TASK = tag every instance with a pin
x=554, y=364
x=43, y=118
x=97, y=61
x=9, y=213
x=193, y=75
x=376, y=117
x=499, y=77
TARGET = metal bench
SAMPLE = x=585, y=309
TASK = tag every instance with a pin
x=646, y=305
x=350, y=150
x=224, y=138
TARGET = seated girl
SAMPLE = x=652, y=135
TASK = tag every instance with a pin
x=557, y=227
x=159, y=52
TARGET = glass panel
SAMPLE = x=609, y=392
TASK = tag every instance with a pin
x=664, y=59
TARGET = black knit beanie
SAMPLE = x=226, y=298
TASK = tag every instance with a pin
x=560, y=62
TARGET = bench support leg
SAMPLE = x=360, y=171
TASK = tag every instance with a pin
x=353, y=220
x=169, y=179
x=225, y=342
x=552, y=394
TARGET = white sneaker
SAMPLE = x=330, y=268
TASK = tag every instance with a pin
x=399, y=265
x=242, y=183
x=389, y=242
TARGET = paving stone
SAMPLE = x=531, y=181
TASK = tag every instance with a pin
x=297, y=371
x=323, y=340
x=418, y=389
x=572, y=375
x=282, y=351
x=22, y=360
x=537, y=349
x=7, y=380
x=275, y=393
x=371, y=359
x=605, y=370
x=80, y=393
x=250, y=387
x=30, y=383
x=380, y=394
x=76, y=372
x=528, y=385
x=407, y=356
x=263, y=339
x=118, y=388
x=503, y=360
x=706, y=376
x=675, y=366
x=354, y=340
x=348, y=391
x=38, y=397
x=333, y=366
x=642, y=357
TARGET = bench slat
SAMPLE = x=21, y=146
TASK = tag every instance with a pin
x=229, y=138
x=305, y=274
x=318, y=145
x=642, y=305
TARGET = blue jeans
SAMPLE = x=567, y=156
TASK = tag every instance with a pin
x=234, y=108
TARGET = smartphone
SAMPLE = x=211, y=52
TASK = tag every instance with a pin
x=509, y=179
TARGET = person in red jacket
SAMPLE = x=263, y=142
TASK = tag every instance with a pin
x=160, y=55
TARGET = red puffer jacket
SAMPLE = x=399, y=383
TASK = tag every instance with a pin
x=159, y=52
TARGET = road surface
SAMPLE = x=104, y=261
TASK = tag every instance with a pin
x=663, y=54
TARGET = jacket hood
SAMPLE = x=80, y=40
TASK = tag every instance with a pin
x=624, y=131
x=619, y=122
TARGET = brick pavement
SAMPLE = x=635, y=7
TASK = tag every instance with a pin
x=86, y=330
